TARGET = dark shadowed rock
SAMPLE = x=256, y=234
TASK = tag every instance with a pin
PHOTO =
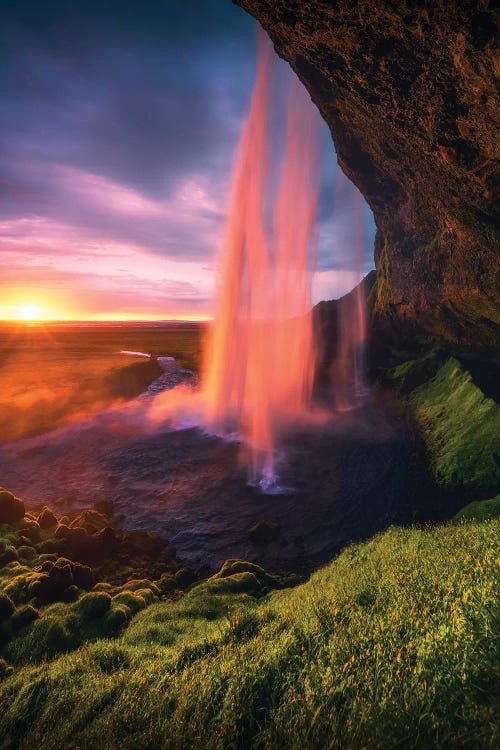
x=106, y=507
x=24, y=616
x=264, y=532
x=8, y=554
x=83, y=576
x=6, y=607
x=31, y=530
x=90, y=520
x=185, y=577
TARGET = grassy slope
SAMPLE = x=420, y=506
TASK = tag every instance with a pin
x=459, y=425
x=461, y=429
x=391, y=644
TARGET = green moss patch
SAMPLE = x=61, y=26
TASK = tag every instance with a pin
x=461, y=430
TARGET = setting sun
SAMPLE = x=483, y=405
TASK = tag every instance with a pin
x=28, y=312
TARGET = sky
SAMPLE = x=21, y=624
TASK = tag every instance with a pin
x=120, y=121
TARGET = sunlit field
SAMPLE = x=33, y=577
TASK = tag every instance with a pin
x=52, y=373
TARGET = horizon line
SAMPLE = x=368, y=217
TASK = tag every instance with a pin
x=104, y=320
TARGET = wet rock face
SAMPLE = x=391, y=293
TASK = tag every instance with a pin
x=408, y=92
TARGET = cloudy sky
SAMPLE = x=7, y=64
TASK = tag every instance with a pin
x=119, y=125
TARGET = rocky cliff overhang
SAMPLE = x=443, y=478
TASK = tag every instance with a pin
x=408, y=90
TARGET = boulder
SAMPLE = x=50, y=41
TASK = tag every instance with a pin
x=90, y=520
x=6, y=607
x=11, y=508
x=46, y=519
x=31, y=530
x=95, y=604
x=106, y=507
x=185, y=577
x=24, y=616
x=8, y=555
x=264, y=532
x=83, y=576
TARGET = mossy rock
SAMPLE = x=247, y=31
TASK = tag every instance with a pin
x=52, y=582
x=233, y=566
x=94, y=605
x=137, y=584
x=62, y=531
x=70, y=594
x=27, y=553
x=102, y=586
x=21, y=541
x=412, y=373
x=90, y=520
x=47, y=557
x=107, y=539
x=83, y=576
x=461, y=431
x=47, y=519
x=8, y=555
x=57, y=638
x=24, y=616
x=184, y=578
x=167, y=583
x=51, y=546
x=116, y=619
x=144, y=543
x=480, y=510
x=11, y=508
x=31, y=530
x=131, y=600
x=239, y=583
x=6, y=607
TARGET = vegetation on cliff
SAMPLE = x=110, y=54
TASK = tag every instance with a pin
x=459, y=424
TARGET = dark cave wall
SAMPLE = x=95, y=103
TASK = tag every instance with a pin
x=408, y=90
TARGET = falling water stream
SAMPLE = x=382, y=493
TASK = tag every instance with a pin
x=348, y=369
x=259, y=359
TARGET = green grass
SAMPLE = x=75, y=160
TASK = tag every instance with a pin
x=393, y=644
x=461, y=430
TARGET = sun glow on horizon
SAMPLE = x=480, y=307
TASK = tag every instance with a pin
x=28, y=312
x=22, y=309
x=35, y=313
